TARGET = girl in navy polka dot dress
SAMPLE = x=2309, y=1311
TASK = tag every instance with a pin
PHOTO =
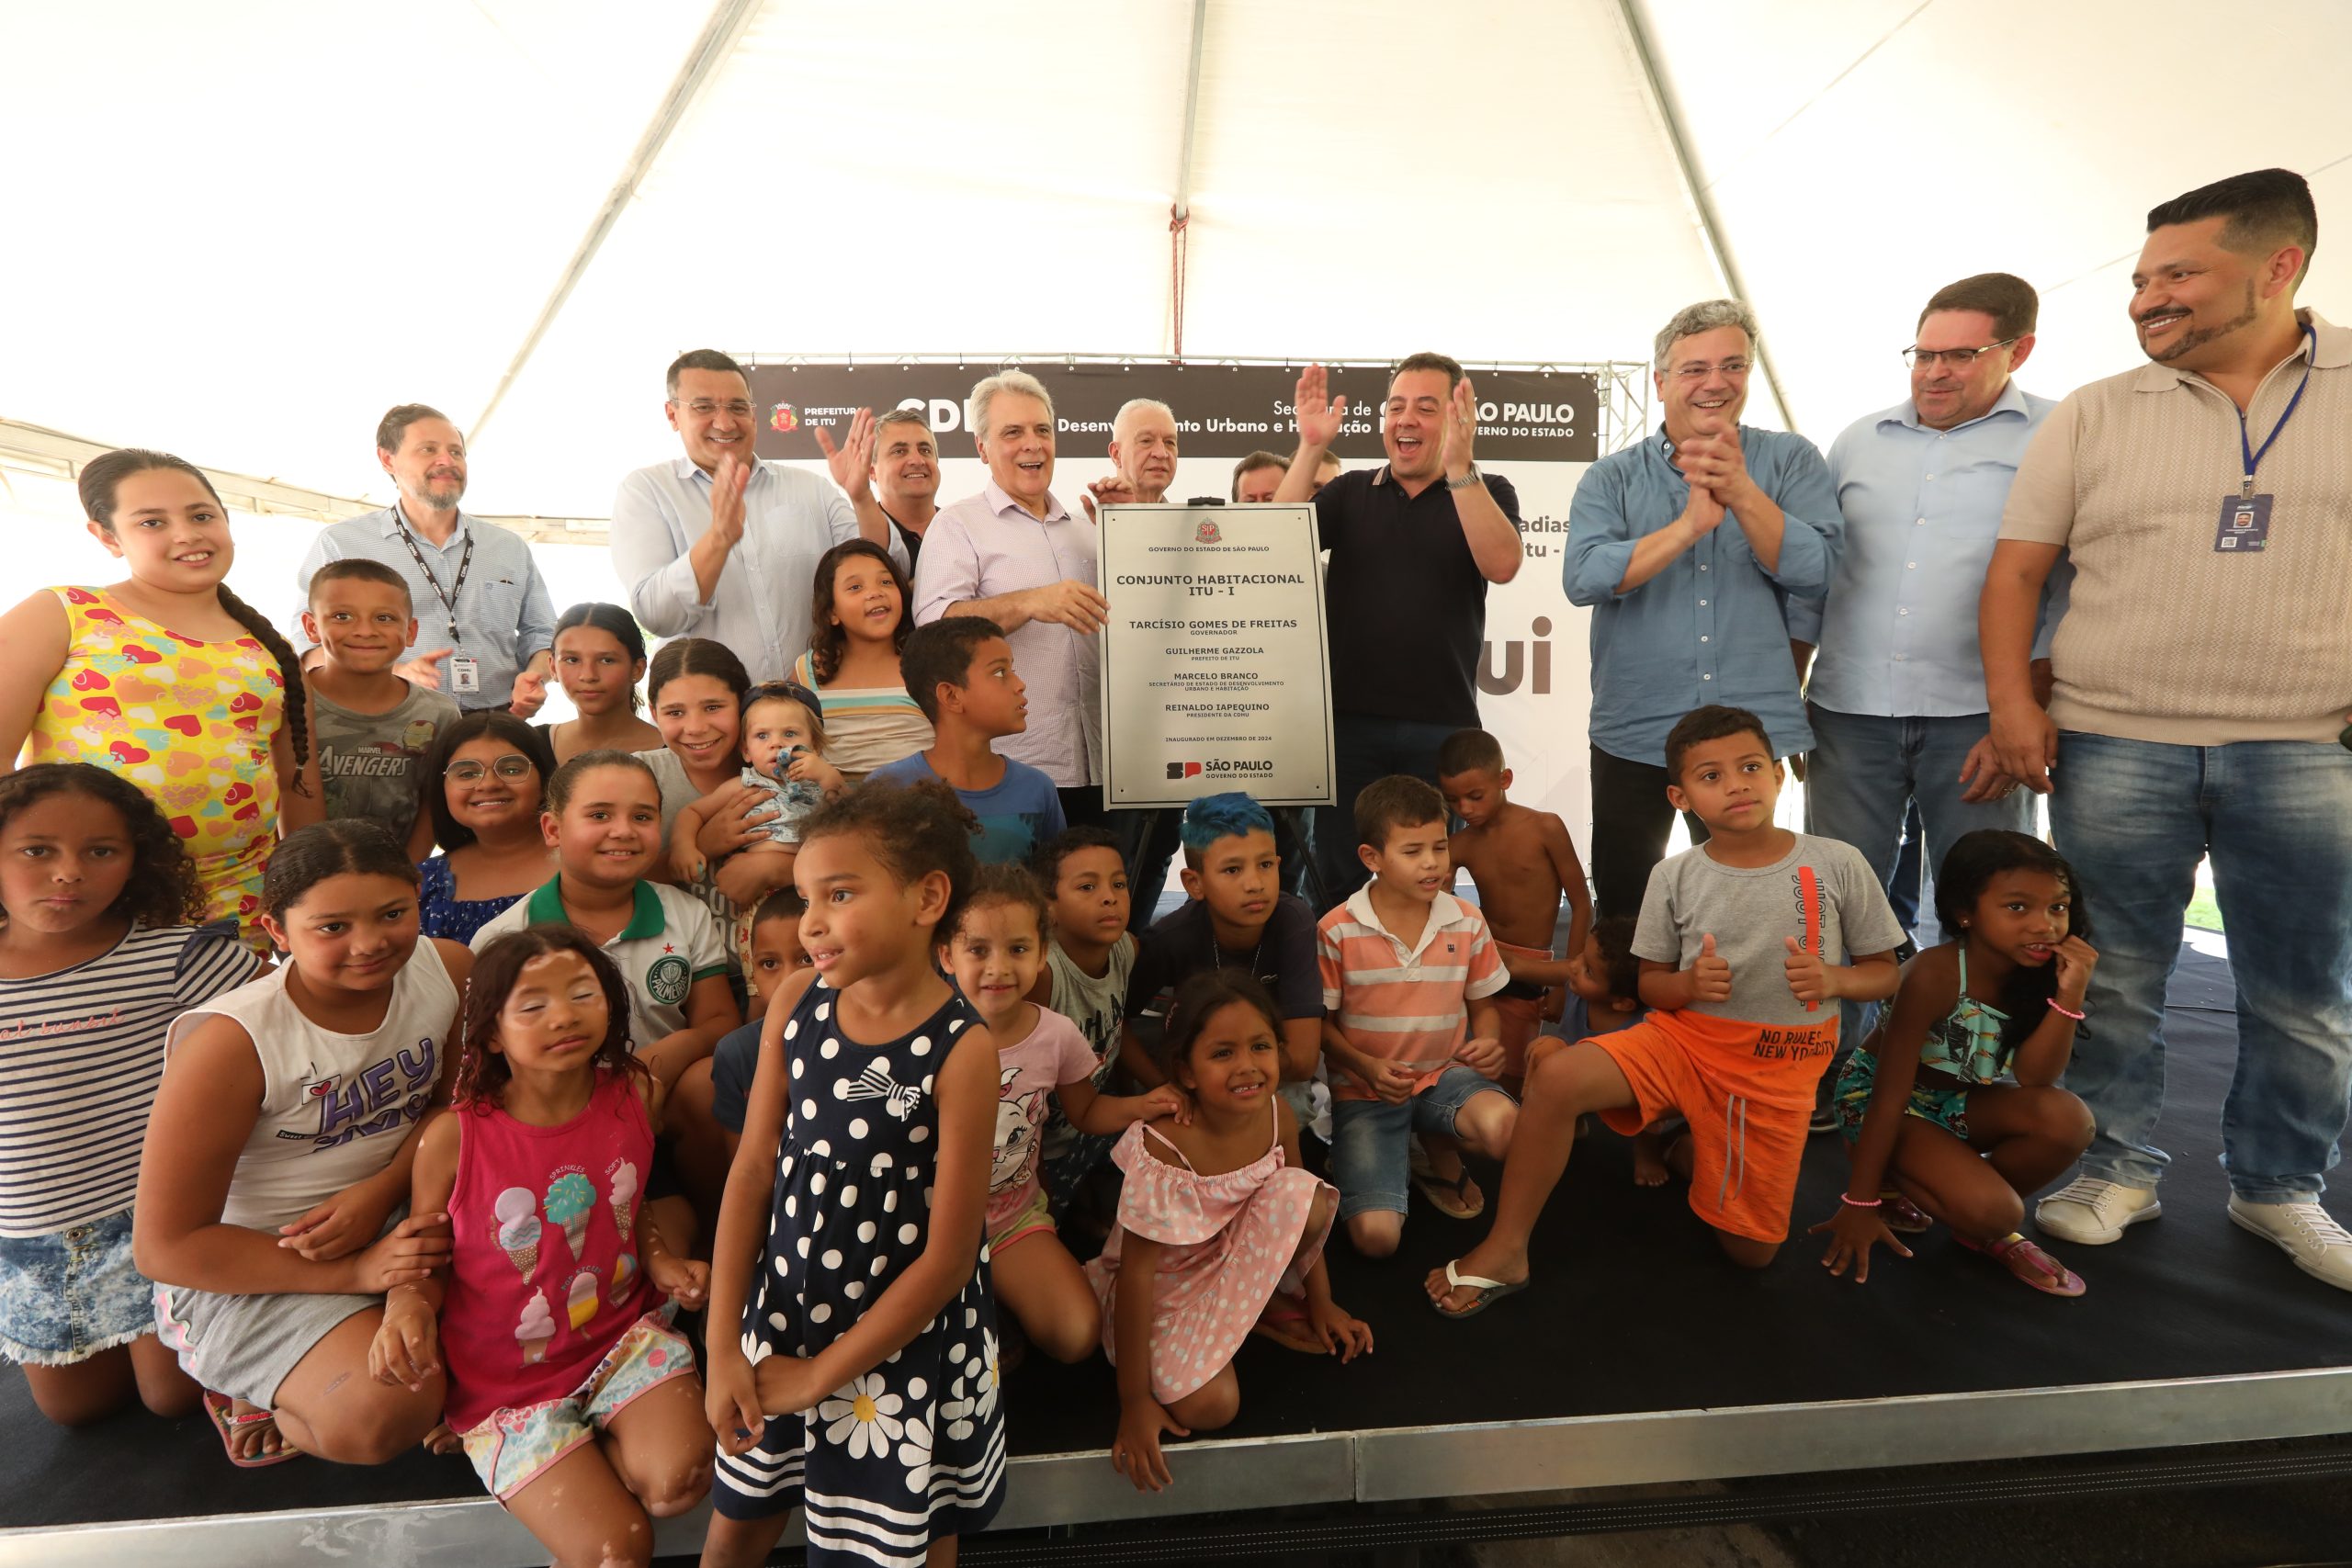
x=863, y=1382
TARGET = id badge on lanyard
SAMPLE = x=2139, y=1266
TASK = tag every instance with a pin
x=2244, y=525
x=465, y=674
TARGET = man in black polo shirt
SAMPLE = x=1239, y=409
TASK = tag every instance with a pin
x=1413, y=545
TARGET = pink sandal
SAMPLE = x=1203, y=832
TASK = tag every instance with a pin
x=1901, y=1215
x=2029, y=1264
x=227, y=1424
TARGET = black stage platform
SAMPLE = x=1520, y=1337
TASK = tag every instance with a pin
x=1638, y=1357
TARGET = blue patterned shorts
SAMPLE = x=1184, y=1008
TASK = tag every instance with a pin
x=515, y=1447
x=1945, y=1105
x=68, y=1295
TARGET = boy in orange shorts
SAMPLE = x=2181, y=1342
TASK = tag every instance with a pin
x=1735, y=939
x=1524, y=863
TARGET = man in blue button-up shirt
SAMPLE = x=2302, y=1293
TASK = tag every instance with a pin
x=484, y=622
x=1897, y=697
x=1688, y=610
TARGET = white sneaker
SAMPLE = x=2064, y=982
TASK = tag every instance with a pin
x=2304, y=1231
x=2092, y=1213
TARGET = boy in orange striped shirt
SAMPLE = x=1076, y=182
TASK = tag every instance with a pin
x=1410, y=1030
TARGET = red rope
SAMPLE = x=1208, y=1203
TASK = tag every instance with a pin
x=1176, y=244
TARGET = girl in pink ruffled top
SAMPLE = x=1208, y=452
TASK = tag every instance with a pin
x=1218, y=1216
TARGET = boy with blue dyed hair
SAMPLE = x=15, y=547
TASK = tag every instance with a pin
x=1236, y=917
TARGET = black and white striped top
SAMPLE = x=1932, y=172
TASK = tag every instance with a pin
x=81, y=1053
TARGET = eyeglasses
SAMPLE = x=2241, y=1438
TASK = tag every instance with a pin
x=1952, y=356
x=1691, y=375
x=703, y=408
x=511, y=766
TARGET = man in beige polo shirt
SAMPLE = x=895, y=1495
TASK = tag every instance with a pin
x=2204, y=673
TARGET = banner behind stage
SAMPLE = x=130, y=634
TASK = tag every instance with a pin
x=1533, y=679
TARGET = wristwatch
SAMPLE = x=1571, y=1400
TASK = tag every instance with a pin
x=1466, y=480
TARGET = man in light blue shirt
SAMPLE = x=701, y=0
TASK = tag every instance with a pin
x=1897, y=699
x=484, y=622
x=717, y=544
x=1686, y=546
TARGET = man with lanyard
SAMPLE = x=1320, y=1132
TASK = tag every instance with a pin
x=1897, y=701
x=485, y=625
x=717, y=544
x=906, y=476
x=2201, y=678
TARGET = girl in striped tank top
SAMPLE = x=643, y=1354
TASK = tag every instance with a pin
x=863, y=617
x=98, y=953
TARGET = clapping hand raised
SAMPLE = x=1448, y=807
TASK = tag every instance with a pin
x=1319, y=414
x=851, y=462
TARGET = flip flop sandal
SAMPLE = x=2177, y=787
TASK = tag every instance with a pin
x=2031, y=1265
x=1901, y=1215
x=218, y=1406
x=1490, y=1292
x=1284, y=1322
x=1452, y=1199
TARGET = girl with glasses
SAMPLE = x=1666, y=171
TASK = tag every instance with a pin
x=482, y=783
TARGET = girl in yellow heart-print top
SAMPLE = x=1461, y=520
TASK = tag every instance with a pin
x=168, y=679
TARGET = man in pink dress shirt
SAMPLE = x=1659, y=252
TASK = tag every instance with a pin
x=1015, y=555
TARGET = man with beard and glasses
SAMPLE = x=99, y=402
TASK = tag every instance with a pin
x=2201, y=678
x=1688, y=611
x=485, y=623
x=906, y=476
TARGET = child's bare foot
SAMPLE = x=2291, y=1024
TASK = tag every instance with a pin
x=248, y=1433
x=1486, y=1261
x=1284, y=1322
x=1650, y=1159
x=441, y=1440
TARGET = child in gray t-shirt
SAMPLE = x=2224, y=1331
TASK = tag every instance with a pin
x=1748, y=942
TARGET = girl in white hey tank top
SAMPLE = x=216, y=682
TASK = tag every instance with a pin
x=280, y=1149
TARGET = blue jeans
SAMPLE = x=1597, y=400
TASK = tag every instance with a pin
x=1865, y=770
x=2276, y=818
x=1366, y=749
x=1372, y=1140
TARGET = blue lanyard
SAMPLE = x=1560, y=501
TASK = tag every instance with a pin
x=2245, y=445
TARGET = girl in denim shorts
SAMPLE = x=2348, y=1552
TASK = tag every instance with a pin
x=99, y=952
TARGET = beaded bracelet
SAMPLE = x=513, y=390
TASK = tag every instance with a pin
x=2070, y=1012
x=1857, y=1203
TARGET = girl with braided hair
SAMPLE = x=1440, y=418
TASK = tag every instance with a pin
x=168, y=679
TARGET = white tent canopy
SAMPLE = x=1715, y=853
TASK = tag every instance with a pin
x=240, y=231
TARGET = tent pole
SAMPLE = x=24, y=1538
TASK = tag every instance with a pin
x=729, y=20
x=1180, y=214
x=1726, y=266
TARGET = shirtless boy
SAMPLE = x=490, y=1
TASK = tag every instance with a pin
x=1523, y=863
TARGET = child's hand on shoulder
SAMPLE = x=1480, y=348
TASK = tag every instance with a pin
x=406, y=1350
x=2074, y=959
x=1853, y=1230
x=1344, y=1336
x=1710, y=974
x=1165, y=1100
x=1135, y=1452
x=1808, y=977
x=682, y=1280
x=1483, y=1055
